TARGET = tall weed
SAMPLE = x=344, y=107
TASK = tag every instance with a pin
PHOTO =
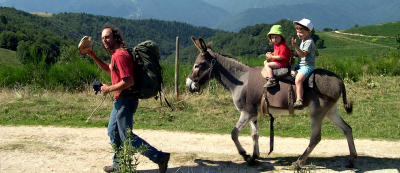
x=128, y=158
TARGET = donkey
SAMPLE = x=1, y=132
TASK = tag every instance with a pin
x=234, y=75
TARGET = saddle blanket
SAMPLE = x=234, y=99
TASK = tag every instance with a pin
x=277, y=96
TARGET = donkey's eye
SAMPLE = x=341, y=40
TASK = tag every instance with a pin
x=197, y=66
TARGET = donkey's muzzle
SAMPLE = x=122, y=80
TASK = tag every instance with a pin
x=192, y=86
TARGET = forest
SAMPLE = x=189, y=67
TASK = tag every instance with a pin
x=57, y=36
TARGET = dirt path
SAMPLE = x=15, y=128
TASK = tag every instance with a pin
x=55, y=149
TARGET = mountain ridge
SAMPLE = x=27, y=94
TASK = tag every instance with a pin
x=228, y=15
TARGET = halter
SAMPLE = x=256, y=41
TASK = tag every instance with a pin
x=208, y=71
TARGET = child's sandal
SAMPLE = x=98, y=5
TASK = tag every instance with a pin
x=298, y=104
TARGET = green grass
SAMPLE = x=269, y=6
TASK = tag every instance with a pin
x=375, y=115
x=388, y=41
x=343, y=46
x=9, y=58
x=386, y=29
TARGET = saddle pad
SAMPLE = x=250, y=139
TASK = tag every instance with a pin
x=281, y=72
x=277, y=96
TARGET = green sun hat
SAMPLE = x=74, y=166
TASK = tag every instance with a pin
x=276, y=29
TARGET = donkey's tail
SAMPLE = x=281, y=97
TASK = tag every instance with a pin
x=347, y=106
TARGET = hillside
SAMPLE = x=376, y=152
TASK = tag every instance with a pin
x=188, y=11
x=290, y=12
x=340, y=14
x=344, y=46
x=49, y=34
x=385, y=29
x=228, y=15
x=375, y=41
x=136, y=31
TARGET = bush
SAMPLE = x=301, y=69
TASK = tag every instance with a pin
x=74, y=75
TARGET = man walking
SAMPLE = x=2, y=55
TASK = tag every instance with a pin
x=121, y=70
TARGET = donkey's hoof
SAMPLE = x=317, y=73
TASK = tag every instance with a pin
x=296, y=165
x=349, y=165
x=251, y=161
x=245, y=157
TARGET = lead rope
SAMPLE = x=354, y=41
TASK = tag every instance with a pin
x=87, y=120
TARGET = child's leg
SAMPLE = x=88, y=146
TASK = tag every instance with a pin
x=300, y=77
x=299, y=85
x=269, y=67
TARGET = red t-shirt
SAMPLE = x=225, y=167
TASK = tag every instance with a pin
x=121, y=67
x=282, y=50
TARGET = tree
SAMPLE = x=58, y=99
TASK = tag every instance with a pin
x=9, y=40
x=23, y=51
x=68, y=53
x=320, y=44
x=3, y=19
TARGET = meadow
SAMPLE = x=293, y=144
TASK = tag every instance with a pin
x=61, y=95
x=8, y=58
x=390, y=29
x=375, y=114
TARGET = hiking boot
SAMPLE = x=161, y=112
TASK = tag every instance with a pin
x=271, y=83
x=109, y=169
x=163, y=164
x=298, y=104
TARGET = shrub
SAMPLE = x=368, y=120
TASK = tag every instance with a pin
x=128, y=158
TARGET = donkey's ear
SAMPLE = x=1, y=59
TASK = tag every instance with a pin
x=203, y=45
x=196, y=42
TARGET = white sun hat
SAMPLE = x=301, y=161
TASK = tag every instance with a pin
x=305, y=22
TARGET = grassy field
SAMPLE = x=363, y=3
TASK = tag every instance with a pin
x=385, y=29
x=376, y=107
x=43, y=14
x=8, y=57
x=344, y=46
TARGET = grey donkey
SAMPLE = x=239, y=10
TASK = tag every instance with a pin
x=233, y=75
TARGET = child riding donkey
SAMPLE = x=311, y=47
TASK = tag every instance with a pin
x=279, y=58
x=306, y=54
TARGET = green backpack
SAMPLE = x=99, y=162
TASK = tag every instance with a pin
x=147, y=72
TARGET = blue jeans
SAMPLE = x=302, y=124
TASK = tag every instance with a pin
x=122, y=115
